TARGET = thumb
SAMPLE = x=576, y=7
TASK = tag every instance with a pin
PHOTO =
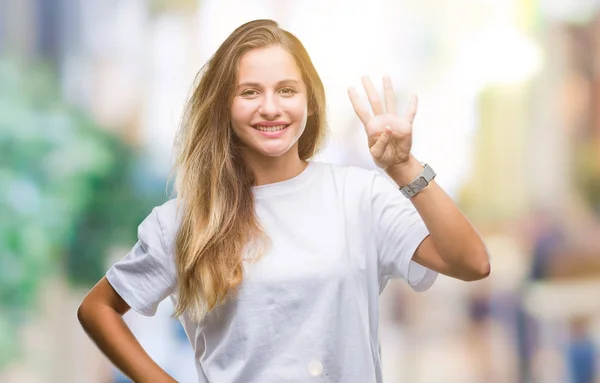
x=378, y=148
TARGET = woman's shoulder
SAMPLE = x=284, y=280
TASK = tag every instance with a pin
x=169, y=210
x=350, y=173
x=361, y=181
x=168, y=216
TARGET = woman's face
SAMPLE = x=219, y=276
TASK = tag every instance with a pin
x=269, y=109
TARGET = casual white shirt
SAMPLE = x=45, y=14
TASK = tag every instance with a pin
x=307, y=311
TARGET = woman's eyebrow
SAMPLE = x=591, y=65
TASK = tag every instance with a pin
x=258, y=85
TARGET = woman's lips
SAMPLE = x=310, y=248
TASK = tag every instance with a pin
x=271, y=131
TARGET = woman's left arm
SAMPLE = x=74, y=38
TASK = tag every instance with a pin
x=453, y=247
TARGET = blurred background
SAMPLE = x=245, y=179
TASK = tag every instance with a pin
x=91, y=94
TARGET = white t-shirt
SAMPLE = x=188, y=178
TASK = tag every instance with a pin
x=308, y=310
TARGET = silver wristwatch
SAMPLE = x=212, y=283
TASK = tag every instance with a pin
x=419, y=183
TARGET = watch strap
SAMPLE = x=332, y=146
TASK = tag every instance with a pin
x=419, y=183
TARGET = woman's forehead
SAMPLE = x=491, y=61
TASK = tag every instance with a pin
x=269, y=65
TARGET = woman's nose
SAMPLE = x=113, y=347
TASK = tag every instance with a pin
x=269, y=106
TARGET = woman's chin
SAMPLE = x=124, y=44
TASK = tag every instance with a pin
x=274, y=150
x=274, y=153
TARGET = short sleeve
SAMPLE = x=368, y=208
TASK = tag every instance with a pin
x=399, y=230
x=146, y=275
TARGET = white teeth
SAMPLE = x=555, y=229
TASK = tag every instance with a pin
x=270, y=128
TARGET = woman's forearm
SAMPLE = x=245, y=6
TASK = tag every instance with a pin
x=455, y=238
x=114, y=338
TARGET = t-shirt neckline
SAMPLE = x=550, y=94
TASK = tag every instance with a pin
x=287, y=186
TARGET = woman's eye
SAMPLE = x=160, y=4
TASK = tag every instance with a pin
x=249, y=93
x=287, y=91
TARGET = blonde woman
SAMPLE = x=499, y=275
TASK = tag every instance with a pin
x=273, y=261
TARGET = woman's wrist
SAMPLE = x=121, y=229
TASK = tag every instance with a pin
x=405, y=173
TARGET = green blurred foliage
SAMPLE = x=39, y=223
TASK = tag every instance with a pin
x=68, y=192
x=587, y=172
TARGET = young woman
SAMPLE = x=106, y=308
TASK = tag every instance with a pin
x=275, y=262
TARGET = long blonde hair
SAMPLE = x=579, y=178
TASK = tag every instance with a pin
x=214, y=185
